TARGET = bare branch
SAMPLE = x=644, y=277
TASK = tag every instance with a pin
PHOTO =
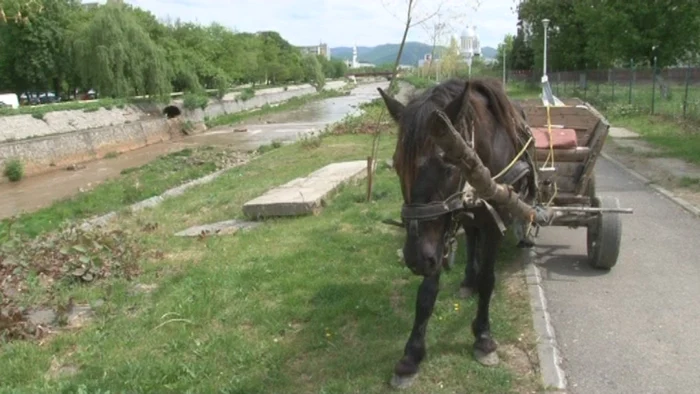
x=430, y=16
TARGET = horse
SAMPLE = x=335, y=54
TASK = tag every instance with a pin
x=434, y=208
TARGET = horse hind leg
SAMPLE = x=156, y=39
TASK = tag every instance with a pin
x=406, y=370
x=468, y=285
x=484, y=345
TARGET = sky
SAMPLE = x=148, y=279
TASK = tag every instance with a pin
x=342, y=22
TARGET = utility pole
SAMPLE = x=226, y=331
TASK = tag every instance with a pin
x=504, y=65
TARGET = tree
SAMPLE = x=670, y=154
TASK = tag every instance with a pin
x=121, y=50
x=313, y=72
x=34, y=52
x=521, y=55
x=592, y=33
x=505, y=48
x=118, y=58
x=450, y=60
x=412, y=19
x=622, y=30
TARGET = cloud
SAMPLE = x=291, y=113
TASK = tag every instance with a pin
x=338, y=22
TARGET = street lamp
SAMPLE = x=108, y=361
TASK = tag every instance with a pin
x=545, y=23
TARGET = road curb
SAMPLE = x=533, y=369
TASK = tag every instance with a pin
x=666, y=193
x=551, y=371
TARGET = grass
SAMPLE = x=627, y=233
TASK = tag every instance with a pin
x=135, y=184
x=678, y=139
x=639, y=95
x=293, y=103
x=310, y=304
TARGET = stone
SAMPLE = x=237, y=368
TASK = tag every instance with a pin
x=306, y=195
x=226, y=227
x=42, y=317
x=621, y=132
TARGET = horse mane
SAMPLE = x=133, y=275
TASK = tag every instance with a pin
x=417, y=120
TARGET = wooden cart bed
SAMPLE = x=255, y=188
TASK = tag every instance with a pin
x=578, y=135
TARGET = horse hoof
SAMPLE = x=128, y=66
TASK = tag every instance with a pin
x=465, y=292
x=487, y=359
x=402, y=382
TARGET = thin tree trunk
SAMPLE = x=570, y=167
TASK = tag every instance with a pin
x=403, y=41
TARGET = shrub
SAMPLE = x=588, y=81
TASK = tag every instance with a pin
x=14, y=170
x=193, y=101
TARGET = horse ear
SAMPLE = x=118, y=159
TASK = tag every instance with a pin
x=452, y=109
x=394, y=106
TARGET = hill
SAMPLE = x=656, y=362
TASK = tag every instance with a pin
x=489, y=52
x=382, y=54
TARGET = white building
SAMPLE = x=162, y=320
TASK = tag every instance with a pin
x=469, y=43
x=354, y=63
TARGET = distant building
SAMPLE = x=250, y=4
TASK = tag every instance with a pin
x=321, y=49
x=427, y=59
x=469, y=43
x=354, y=63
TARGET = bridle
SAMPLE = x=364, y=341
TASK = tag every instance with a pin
x=455, y=206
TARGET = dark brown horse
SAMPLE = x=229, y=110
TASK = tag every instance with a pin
x=434, y=207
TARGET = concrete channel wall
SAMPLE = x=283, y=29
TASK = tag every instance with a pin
x=62, y=138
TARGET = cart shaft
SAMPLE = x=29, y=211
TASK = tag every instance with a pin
x=592, y=209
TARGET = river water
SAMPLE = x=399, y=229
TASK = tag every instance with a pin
x=39, y=191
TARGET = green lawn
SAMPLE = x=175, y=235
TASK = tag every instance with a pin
x=304, y=305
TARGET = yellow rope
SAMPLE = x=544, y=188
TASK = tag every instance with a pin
x=515, y=160
x=551, y=141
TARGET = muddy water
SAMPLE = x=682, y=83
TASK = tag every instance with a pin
x=39, y=191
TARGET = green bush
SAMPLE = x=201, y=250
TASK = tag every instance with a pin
x=246, y=94
x=14, y=170
x=193, y=101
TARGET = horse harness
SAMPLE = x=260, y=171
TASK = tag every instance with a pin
x=458, y=204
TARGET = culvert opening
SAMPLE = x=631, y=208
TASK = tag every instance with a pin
x=172, y=111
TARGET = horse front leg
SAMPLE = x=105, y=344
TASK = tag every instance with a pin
x=468, y=285
x=484, y=345
x=407, y=368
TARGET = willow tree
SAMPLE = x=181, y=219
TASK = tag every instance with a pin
x=117, y=57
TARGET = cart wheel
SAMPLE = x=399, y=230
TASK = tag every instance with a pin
x=604, y=235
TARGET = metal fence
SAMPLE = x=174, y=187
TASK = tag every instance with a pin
x=674, y=92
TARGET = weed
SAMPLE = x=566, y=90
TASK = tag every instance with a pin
x=187, y=127
x=14, y=170
x=63, y=258
x=111, y=155
x=193, y=101
x=310, y=140
x=246, y=94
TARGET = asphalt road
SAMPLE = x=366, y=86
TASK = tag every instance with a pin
x=636, y=328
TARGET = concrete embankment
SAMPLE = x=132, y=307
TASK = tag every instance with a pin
x=61, y=138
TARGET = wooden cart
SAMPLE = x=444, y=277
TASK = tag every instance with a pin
x=566, y=161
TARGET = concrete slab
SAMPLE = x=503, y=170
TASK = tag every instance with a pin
x=621, y=132
x=306, y=195
x=226, y=227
